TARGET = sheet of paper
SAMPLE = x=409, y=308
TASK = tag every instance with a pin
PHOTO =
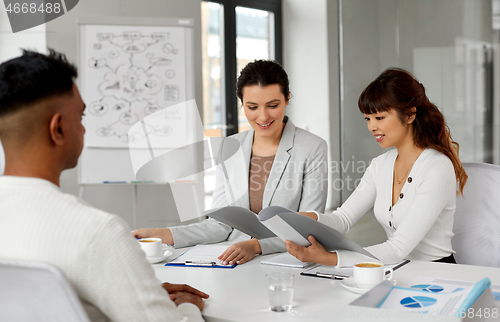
x=202, y=254
x=284, y=231
x=286, y=260
x=241, y=219
x=271, y=211
x=330, y=238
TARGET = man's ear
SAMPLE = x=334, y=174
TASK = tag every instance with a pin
x=56, y=130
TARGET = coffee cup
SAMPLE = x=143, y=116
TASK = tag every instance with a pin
x=152, y=247
x=369, y=274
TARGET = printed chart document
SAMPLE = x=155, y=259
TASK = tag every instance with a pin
x=404, y=299
x=286, y=224
x=201, y=256
x=438, y=285
x=429, y=298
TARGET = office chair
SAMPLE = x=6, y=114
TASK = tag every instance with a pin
x=37, y=291
x=477, y=217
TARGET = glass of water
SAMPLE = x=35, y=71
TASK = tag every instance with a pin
x=280, y=290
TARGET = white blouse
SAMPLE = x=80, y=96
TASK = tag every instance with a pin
x=419, y=225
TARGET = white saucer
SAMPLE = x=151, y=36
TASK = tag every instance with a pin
x=348, y=284
x=154, y=260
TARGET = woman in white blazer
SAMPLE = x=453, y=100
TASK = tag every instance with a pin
x=412, y=188
x=278, y=164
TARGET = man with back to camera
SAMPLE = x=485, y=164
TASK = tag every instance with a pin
x=42, y=135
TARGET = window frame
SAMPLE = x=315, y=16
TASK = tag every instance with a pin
x=230, y=124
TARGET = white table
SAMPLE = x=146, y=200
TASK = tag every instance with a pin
x=240, y=294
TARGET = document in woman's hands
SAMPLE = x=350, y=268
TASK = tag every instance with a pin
x=286, y=224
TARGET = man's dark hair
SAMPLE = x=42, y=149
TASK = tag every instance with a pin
x=33, y=76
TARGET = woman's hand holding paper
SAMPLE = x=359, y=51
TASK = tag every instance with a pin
x=314, y=253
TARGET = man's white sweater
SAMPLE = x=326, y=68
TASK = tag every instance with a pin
x=95, y=250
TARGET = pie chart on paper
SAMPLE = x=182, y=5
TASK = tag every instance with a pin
x=429, y=288
x=418, y=301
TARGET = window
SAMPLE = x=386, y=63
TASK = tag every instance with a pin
x=254, y=40
x=212, y=46
x=234, y=32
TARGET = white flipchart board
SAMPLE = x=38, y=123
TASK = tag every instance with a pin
x=129, y=69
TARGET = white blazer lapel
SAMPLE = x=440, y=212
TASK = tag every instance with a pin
x=280, y=162
x=238, y=168
x=243, y=176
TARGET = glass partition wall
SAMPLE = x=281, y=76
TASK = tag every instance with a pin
x=451, y=46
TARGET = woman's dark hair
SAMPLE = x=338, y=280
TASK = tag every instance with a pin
x=397, y=89
x=263, y=73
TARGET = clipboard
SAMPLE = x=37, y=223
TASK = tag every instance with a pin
x=330, y=272
x=201, y=256
x=339, y=273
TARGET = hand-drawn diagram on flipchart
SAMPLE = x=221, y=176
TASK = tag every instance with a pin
x=130, y=72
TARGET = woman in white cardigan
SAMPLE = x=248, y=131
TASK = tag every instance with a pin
x=412, y=188
x=279, y=164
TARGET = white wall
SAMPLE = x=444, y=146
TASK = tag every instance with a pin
x=11, y=43
x=305, y=59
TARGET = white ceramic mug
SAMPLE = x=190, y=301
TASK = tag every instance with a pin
x=151, y=246
x=369, y=274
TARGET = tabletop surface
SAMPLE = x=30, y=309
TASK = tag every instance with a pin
x=240, y=294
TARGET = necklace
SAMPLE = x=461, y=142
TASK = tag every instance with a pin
x=407, y=172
